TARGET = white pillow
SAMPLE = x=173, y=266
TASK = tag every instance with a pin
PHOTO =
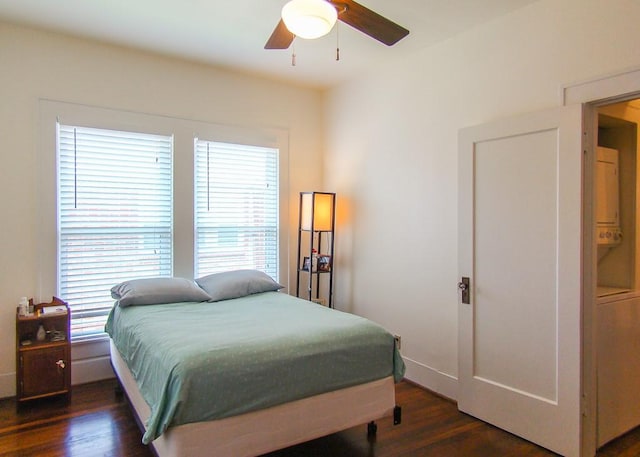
x=155, y=291
x=237, y=283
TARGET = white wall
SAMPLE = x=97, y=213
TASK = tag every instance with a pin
x=39, y=65
x=391, y=154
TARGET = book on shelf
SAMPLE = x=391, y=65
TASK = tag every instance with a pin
x=51, y=310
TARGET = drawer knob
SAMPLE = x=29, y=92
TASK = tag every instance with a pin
x=60, y=363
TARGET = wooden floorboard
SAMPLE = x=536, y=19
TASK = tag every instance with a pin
x=96, y=422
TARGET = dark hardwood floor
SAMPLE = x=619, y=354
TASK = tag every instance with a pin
x=98, y=423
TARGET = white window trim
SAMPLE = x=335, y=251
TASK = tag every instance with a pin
x=184, y=131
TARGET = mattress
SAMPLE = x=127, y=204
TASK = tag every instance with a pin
x=205, y=361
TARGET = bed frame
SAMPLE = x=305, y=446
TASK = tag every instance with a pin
x=270, y=429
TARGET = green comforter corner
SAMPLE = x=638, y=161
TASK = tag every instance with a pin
x=205, y=361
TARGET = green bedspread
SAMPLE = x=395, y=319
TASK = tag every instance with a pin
x=204, y=361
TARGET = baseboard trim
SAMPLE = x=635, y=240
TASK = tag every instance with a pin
x=90, y=370
x=7, y=385
x=441, y=383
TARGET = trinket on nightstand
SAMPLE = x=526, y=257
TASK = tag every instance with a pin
x=41, y=334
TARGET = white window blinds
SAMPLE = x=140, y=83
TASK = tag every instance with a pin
x=114, y=215
x=236, y=214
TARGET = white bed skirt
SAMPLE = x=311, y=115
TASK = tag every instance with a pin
x=266, y=430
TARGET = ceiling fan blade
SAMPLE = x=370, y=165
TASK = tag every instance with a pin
x=369, y=22
x=281, y=38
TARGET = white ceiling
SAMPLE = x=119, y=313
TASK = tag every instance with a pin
x=232, y=33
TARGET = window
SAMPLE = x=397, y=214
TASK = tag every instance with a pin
x=114, y=217
x=236, y=213
x=156, y=221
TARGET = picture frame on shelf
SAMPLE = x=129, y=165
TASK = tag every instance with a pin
x=324, y=263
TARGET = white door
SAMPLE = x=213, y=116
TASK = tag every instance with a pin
x=520, y=193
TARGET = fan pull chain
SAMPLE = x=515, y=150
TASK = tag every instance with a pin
x=293, y=53
x=337, y=41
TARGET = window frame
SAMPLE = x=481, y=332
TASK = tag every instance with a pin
x=184, y=131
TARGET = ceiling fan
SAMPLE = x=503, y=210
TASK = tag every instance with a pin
x=324, y=13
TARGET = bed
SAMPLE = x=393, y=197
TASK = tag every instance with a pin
x=246, y=373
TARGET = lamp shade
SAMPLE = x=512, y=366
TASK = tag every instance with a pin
x=309, y=18
x=320, y=207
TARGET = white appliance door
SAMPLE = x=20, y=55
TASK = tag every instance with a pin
x=520, y=193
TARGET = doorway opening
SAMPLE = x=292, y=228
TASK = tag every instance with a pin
x=617, y=297
x=597, y=96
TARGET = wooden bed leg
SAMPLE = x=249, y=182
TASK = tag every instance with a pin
x=397, y=415
x=118, y=390
x=372, y=429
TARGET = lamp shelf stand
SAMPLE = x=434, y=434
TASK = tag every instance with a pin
x=316, y=235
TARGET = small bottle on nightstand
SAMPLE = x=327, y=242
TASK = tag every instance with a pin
x=41, y=334
x=23, y=306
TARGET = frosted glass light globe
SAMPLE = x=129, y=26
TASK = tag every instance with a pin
x=309, y=18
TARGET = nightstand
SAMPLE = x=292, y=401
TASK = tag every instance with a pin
x=43, y=362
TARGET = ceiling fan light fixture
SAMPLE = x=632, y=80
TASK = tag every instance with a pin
x=309, y=18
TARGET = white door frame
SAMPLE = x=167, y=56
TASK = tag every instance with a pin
x=593, y=93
